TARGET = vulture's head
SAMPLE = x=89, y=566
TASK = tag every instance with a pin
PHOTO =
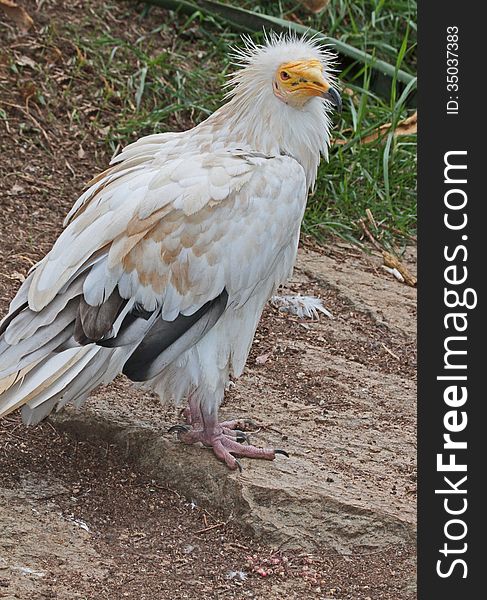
x=290, y=69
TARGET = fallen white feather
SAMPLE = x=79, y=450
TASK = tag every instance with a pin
x=81, y=524
x=29, y=571
x=301, y=306
x=239, y=575
x=395, y=272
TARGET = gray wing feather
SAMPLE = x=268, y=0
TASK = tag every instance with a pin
x=166, y=340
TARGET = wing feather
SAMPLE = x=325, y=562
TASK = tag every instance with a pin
x=182, y=233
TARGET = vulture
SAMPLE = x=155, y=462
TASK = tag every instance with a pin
x=166, y=261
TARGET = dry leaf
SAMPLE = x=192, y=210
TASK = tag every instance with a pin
x=315, y=6
x=17, y=14
x=407, y=127
x=25, y=61
x=28, y=90
x=17, y=276
x=55, y=55
x=393, y=262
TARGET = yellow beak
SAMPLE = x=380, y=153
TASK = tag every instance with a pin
x=305, y=78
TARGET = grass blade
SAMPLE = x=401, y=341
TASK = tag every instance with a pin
x=140, y=87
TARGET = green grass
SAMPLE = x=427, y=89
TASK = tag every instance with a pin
x=155, y=90
x=159, y=90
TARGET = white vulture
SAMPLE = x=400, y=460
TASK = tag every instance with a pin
x=168, y=258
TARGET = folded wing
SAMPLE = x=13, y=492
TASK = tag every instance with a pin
x=154, y=252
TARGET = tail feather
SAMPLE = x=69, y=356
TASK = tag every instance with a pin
x=41, y=365
x=74, y=392
x=72, y=386
x=33, y=416
x=21, y=296
x=8, y=381
x=39, y=360
x=16, y=358
x=39, y=379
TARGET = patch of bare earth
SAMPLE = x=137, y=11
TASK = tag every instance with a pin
x=103, y=503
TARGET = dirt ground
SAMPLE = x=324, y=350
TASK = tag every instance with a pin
x=103, y=503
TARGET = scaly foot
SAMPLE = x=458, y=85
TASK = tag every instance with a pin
x=225, y=441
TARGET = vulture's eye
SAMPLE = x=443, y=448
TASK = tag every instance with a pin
x=284, y=75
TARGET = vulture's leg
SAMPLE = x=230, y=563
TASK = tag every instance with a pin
x=193, y=416
x=203, y=426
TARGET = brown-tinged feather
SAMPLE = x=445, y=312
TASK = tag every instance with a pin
x=187, y=239
x=170, y=256
x=199, y=249
x=100, y=176
x=128, y=263
x=158, y=282
x=162, y=230
x=180, y=276
x=137, y=225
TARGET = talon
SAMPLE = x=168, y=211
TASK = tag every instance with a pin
x=178, y=429
x=240, y=468
x=279, y=451
x=242, y=437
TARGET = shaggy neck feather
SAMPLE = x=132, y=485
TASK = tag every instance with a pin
x=263, y=123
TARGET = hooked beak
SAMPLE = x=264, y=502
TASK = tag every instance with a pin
x=334, y=98
x=303, y=79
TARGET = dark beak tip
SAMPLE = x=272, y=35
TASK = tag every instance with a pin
x=334, y=98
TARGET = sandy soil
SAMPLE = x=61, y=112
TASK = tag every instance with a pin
x=103, y=503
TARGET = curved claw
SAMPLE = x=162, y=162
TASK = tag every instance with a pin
x=179, y=429
x=242, y=437
x=280, y=451
x=237, y=462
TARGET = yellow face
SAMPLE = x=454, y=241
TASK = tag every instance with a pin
x=296, y=82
